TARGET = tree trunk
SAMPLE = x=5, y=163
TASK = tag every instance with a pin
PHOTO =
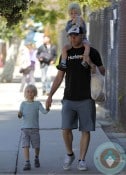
x=7, y=74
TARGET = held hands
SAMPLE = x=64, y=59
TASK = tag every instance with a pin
x=48, y=109
x=48, y=103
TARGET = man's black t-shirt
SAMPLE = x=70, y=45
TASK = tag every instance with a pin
x=77, y=79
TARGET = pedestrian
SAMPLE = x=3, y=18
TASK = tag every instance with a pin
x=77, y=104
x=76, y=19
x=29, y=111
x=28, y=64
x=46, y=54
x=1, y=60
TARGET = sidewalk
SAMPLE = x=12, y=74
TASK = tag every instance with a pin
x=52, y=146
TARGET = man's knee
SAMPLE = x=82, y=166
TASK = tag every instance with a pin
x=86, y=133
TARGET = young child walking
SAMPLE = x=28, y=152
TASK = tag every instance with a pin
x=29, y=112
x=74, y=11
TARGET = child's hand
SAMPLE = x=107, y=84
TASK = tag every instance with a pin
x=19, y=115
x=74, y=21
x=78, y=20
x=48, y=109
x=81, y=20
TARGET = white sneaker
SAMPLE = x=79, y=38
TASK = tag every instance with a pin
x=68, y=161
x=82, y=166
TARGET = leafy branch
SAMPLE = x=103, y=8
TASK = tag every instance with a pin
x=12, y=10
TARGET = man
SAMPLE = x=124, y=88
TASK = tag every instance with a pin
x=77, y=102
x=46, y=55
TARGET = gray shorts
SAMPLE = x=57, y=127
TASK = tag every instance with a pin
x=82, y=112
x=30, y=136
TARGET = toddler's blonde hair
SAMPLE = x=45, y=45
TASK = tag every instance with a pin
x=74, y=6
x=31, y=87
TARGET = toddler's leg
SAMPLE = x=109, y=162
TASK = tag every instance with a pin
x=27, y=165
x=64, y=56
x=87, y=50
x=62, y=66
x=36, y=161
x=85, y=61
x=26, y=153
x=35, y=140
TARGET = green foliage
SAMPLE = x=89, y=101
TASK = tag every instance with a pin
x=44, y=14
x=14, y=13
x=92, y=4
x=12, y=10
x=6, y=33
x=97, y=4
x=47, y=14
x=45, y=11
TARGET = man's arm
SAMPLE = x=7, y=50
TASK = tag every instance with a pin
x=56, y=83
x=96, y=59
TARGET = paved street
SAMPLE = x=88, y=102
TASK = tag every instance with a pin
x=52, y=146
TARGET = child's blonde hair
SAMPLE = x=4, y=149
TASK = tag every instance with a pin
x=31, y=87
x=74, y=6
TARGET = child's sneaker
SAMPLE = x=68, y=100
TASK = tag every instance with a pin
x=37, y=163
x=82, y=166
x=27, y=166
x=68, y=161
x=84, y=64
x=62, y=67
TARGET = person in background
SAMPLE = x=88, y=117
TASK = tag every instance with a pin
x=46, y=54
x=77, y=104
x=74, y=11
x=1, y=60
x=28, y=58
x=29, y=111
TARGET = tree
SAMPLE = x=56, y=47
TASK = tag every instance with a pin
x=95, y=4
x=48, y=14
x=14, y=15
x=13, y=11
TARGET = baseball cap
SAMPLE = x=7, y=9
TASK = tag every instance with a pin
x=75, y=30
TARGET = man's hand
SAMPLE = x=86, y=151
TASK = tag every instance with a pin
x=48, y=103
x=102, y=70
x=51, y=62
x=40, y=59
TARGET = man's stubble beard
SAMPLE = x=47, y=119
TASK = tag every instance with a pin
x=77, y=45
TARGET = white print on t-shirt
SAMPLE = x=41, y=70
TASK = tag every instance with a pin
x=73, y=57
